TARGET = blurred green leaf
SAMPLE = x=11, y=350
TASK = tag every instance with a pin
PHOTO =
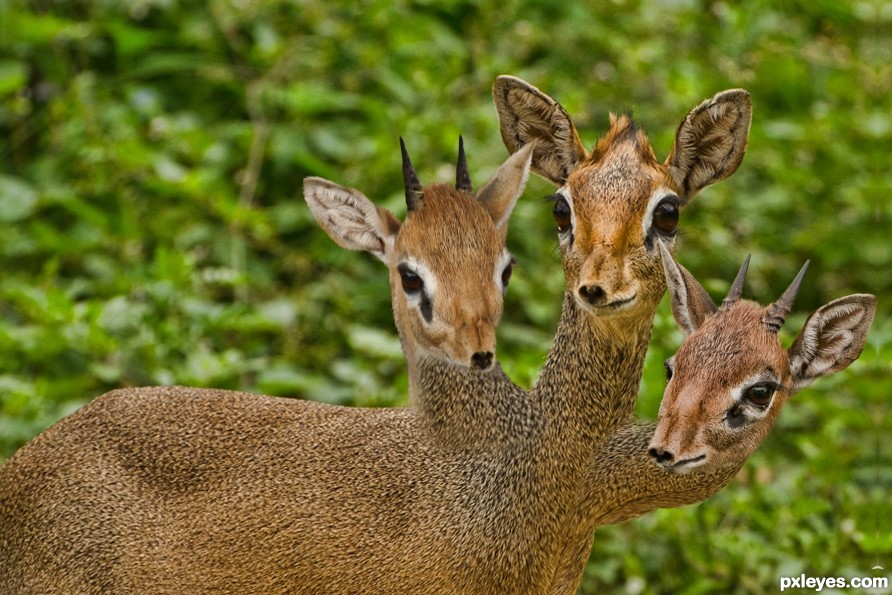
x=18, y=199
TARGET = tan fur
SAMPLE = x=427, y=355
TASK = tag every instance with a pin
x=623, y=482
x=706, y=424
x=456, y=239
x=732, y=345
x=453, y=236
x=589, y=383
x=220, y=492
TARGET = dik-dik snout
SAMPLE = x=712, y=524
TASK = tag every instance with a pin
x=731, y=375
x=606, y=284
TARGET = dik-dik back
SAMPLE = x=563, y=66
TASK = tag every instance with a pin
x=179, y=490
x=214, y=491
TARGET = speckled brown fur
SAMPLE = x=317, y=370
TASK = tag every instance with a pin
x=589, y=383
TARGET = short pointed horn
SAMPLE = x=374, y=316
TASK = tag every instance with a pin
x=737, y=286
x=462, y=177
x=777, y=312
x=413, y=186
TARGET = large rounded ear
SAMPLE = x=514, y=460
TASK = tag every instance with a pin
x=691, y=304
x=710, y=142
x=832, y=338
x=500, y=193
x=527, y=115
x=350, y=218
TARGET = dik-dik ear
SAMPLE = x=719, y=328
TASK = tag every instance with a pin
x=690, y=303
x=500, y=193
x=710, y=142
x=350, y=218
x=527, y=116
x=832, y=338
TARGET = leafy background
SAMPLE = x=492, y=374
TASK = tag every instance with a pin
x=152, y=229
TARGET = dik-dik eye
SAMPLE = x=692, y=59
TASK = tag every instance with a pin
x=668, y=367
x=412, y=283
x=665, y=216
x=506, y=273
x=760, y=394
x=561, y=213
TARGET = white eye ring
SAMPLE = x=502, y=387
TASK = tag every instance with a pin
x=754, y=410
x=504, y=262
x=659, y=194
x=565, y=194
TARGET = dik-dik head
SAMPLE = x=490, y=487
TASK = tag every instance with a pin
x=449, y=267
x=616, y=201
x=731, y=375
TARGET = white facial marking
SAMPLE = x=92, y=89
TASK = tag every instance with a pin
x=753, y=411
x=564, y=238
x=427, y=277
x=504, y=260
x=655, y=198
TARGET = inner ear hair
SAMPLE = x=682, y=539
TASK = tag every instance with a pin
x=350, y=218
x=710, y=142
x=691, y=304
x=527, y=115
x=832, y=338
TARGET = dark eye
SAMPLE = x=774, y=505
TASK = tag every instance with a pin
x=666, y=216
x=506, y=273
x=668, y=370
x=760, y=394
x=412, y=283
x=561, y=214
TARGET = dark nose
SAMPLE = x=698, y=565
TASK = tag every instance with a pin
x=593, y=294
x=660, y=455
x=482, y=359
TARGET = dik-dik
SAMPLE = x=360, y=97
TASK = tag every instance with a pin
x=179, y=490
x=613, y=207
x=731, y=375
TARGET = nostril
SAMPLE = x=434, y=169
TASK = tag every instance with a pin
x=482, y=359
x=592, y=293
x=659, y=455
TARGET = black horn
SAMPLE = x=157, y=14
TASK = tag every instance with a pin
x=737, y=286
x=413, y=186
x=462, y=177
x=777, y=312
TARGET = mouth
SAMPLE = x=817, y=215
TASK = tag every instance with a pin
x=611, y=307
x=683, y=466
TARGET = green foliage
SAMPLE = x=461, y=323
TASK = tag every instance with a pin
x=153, y=229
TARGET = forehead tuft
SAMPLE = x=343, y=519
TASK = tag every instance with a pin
x=451, y=224
x=732, y=342
x=615, y=189
x=626, y=138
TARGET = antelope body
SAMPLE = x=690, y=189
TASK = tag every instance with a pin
x=175, y=490
x=614, y=206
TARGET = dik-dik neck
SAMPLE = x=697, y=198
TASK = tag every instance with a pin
x=589, y=383
x=622, y=483
x=625, y=483
x=465, y=407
